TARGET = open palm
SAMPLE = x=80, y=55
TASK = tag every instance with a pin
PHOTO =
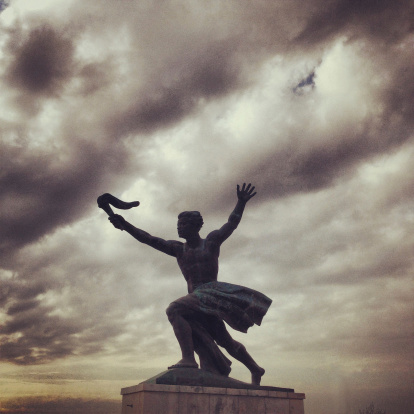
x=245, y=193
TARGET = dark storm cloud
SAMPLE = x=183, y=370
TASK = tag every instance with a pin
x=42, y=62
x=376, y=19
x=24, y=292
x=3, y=4
x=290, y=171
x=167, y=106
x=43, y=335
x=58, y=305
x=22, y=307
x=398, y=95
x=39, y=194
x=41, y=187
x=179, y=90
x=298, y=167
x=377, y=29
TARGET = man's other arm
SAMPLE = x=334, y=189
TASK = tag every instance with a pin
x=169, y=247
x=243, y=196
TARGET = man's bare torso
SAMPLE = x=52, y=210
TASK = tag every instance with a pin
x=199, y=265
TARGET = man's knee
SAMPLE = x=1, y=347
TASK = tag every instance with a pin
x=173, y=310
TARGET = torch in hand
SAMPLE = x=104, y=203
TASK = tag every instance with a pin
x=106, y=200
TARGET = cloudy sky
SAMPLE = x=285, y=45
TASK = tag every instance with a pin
x=173, y=103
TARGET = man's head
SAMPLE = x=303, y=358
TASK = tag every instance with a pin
x=189, y=222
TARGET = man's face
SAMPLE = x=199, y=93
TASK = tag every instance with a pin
x=185, y=228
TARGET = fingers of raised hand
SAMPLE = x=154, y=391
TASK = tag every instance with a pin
x=243, y=189
x=250, y=189
x=246, y=192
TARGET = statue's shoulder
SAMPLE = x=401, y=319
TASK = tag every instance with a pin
x=176, y=245
x=213, y=239
x=212, y=236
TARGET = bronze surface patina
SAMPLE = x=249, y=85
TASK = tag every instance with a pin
x=198, y=319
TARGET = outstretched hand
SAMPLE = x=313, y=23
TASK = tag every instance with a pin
x=245, y=193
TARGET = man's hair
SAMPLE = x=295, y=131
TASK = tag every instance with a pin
x=194, y=217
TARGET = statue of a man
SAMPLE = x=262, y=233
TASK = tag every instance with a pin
x=197, y=318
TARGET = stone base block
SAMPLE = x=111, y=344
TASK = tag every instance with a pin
x=147, y=398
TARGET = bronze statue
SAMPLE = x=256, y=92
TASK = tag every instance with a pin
x=198, y=318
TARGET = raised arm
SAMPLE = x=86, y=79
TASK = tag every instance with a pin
x=243, y=196
x=169, y=247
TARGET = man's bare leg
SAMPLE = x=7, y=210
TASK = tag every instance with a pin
x=183, y=332
x=238, y=351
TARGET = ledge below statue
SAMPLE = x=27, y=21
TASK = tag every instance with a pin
x=201, y=378
x=190, y=390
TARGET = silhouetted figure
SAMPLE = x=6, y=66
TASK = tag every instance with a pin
x=198, y=318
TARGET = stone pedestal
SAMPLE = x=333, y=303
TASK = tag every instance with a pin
x=151, y=397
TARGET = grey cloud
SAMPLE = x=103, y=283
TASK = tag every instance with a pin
x=373, y=19
x=22, y=307
x=399, y=93
x=290, y=171
x=304, y=162
x=42, y=187
x=40, y=341
x=38, y=194
x=95, y=76
x=108, y=120
x=379, y=327
x=3, y=4
x=42, y=62
x=44, y=336
x=180, y=88
x=25, y=292
x=92, y=313
x=174, y=89
x=294, y=167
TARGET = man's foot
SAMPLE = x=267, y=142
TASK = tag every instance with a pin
x=257, y=376
x=185, y=363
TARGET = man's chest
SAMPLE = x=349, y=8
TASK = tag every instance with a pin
x=198, y=255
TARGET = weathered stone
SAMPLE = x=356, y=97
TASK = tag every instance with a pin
x=178, y=399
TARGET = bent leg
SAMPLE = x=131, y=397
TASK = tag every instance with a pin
x=238, y=351
x=176, y=313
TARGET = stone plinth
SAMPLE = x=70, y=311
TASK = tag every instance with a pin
x=151, y=397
